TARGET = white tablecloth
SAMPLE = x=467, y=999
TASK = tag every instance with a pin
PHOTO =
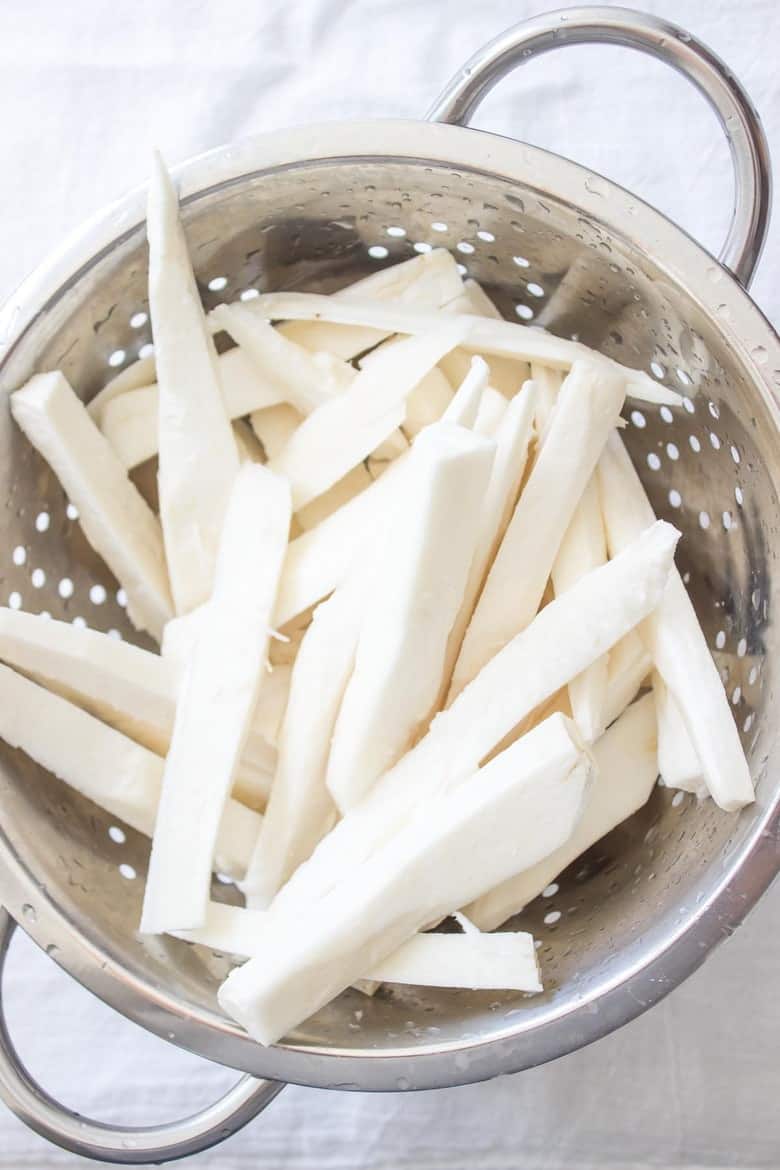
x=87, y=88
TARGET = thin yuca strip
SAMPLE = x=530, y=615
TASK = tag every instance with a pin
x=426, y=403
x=678, y=762
x=344, y=431
x=198, y=456
x=115, y=518
x=414, y=595
x=105, y=766
x=355, y=481
x=566, y=636
x=463, y=408
x=129, y=421
x=300, y=809
x=629, y=666
x=492, y=407
x=521, y=806
x=502, y=338
x=218, y=696
x=587, y=410
x=506, y=374
x=584, y=548
x=138, y=373
x=306, y=380
x=626, y=769
x=512, y=439
x=470, y=960
x=274, y=426
x=676, y=642
x=549, y=383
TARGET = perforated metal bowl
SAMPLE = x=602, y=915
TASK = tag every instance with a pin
x=556, y=245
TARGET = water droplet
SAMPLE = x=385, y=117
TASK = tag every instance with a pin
x=759, y=355
x=597, y=186
x=52, y=950
x=29, y=912
x=403, y=1083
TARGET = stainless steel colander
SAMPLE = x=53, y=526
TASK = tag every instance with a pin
x=315, y=208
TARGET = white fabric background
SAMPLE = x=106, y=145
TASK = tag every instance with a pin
x=87, y=89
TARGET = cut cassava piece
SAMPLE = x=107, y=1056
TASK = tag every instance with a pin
x=567, y=635
x=471, y=960
x=414, y=594
x=345, y=430
x=463, y=408
x=506, y=374
x=115, y=518
x=678, y=762
x=584, y=548
x=197, y=451
x=354, y=482
x=629, y=666
x=274, y=425
x=522, y=805
x=219, y=692
x=492, y=407
x=549, y=383
x=676, y=642
x=130, y=421
x=139, y=373
x=105, y=766
x=626, y=762
x=588, y=406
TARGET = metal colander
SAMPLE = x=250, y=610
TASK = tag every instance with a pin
x=554, y=245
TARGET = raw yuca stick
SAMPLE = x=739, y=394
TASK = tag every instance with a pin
x=105, y=766
x=355, y=481
x=413, y=597
x=114, y=516
x=524, y=804
x=549, y=383
x=472, y=960
x=626, y=769
x=506, y=374
x=629, y=666
x=678, y=762
x=426, y=403
x=274, y=425
x=218, y=696
x=463, y=408
x=198, y=456
x=138, y=373
x=492, y=407
x=584, y=548
x=503, y=338
x=587, y=409
x=348, y=428
x=676, y=643
x=566, y=636
x=512, y=439
x=129, y=420
x=300, y=809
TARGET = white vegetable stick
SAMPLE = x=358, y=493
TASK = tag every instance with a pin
x=198, y=456
x=347, y=429
x=104, y=765
x=274, y=426
x=492, y=407
x=587, y=409
x=219, y=693
x=427, y=402
x=301, y=810
x=138, y=373
x=626, y=770
x=512, y=439
x=678, y=762
x=501, y=338
x=584, y=548
x=676, y=642
x=470, y=960
x=430, y=280
x=306, y=380
x=566, y=636
x=463, y=408
x=629, y=665
x=116, y=520
x=522, y=805
x=129, y=421
x=414, y=595
x=549, y=383
x=506, y=374
x=354, y=482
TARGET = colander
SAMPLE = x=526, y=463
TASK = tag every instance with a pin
x=554, y=244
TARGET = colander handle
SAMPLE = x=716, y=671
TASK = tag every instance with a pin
x=109, y=1143
x=669, y=43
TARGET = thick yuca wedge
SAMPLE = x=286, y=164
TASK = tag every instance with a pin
x=678, y=762
x=584, y=548
x=347, y=429
x=587, y=410
x=492, y=407
x=549, y=383
x=218, y=696
x=626, y=770
x=414, y=594
x=274, y=426
x=522, y=805
x=105, y=766
x=115, y=518
x=355, y=481
x=568, y=634
x=512, y=439
x=301, y=809
x=487, y=337
x=129, y=421
x=676, y=642
x=629, y=666
x=198, y=456
x=472, y=960
x=138, y=373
